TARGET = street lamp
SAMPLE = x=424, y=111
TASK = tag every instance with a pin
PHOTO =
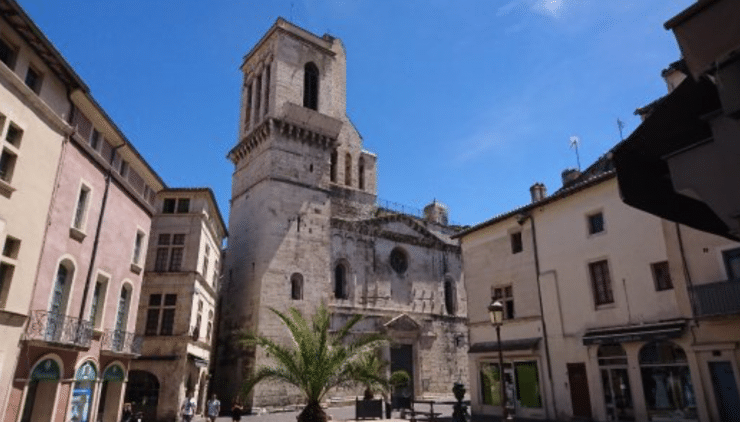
x=496, y=313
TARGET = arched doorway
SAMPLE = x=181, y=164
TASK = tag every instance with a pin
x=616, y=383
x=142, y=391
x=110, y=393
x=80, y=408
x=41, y=391
x=666, y=381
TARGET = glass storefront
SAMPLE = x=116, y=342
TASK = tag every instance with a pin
x=616, y=383
x=669, y=393
x=522, y=384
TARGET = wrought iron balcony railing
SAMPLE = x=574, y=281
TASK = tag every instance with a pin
x=59, y=329
x=121, y=342
x=720, y=298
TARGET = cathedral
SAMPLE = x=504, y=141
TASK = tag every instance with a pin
x=305, y=228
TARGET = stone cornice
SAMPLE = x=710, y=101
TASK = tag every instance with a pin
x=272, y=125
x=374, y=228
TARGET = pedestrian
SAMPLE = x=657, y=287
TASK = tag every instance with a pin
x=188, y=408
x=236, y=411
x=127, y=413
x=214, y=408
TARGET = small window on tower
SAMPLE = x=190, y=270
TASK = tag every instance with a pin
x=311, y=86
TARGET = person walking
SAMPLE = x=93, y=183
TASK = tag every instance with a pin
x=188, y=408
x=236, y=411
x=127, y=413
x=214, y=408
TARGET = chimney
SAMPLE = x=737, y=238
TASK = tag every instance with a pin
x=436, y=212
x=569, y=176
x=538, y=191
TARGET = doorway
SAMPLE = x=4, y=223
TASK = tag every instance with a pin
x=725, y=390
x=616, y=383
x=579, y=395
x=402, y=358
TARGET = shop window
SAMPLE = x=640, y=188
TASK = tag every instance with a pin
x=666, y=381
x=82, y=394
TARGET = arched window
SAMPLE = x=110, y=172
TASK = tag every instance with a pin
x=143, y=389
x=450, y=297
x=296, y=286
x=333, y=166
x=348, y=170
x=399, y=260
x=119, y=335
x=340, y=281
x=311, y=86
x=82, y=394
x=209, y=327
x=42, y=385
x=361, y=173
x=666, y=381
x=59, y=298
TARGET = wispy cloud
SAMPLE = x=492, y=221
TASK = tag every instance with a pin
x=553, y=8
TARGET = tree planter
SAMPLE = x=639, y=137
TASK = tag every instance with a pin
x=368, y=409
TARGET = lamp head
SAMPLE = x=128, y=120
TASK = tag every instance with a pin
x=496, y=312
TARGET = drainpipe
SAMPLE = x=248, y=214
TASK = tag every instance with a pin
x=687, y=275
x=94, y=253
x=520, y=220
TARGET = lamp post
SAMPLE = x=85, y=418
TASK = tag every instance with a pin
x=496, y=313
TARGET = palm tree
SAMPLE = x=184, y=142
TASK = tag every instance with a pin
x=318, y=360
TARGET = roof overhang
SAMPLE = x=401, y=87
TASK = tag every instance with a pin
x=676, y=124
x=642, y=332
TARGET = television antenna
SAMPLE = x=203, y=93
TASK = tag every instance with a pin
x=574, y=142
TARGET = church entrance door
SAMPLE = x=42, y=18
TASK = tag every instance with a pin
x=402, y=358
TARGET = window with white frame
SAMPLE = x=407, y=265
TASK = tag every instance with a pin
x=138, y=247
x=170, y=250
x=506, y=295
x=83, y=201
x=98, y=301
x=206, y=254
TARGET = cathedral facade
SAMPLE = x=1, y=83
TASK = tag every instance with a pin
x=305, y=229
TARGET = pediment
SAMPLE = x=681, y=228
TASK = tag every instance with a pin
x=403, y=322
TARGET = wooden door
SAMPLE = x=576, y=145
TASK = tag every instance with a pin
x=579, y=396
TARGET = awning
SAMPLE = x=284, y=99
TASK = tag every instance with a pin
x=199, y=362
x=506, y=345
x=642, y=332
x=676, y=123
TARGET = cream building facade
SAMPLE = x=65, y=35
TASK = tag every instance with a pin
x=600, y=319
x=177, y=310
x=305, y=228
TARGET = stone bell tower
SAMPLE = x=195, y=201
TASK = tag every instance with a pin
x=296, y=158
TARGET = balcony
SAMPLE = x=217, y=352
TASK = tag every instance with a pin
x=720, y=298
x=122, y=342
x=59, y=329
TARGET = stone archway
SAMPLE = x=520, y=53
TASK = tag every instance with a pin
x=142, y=391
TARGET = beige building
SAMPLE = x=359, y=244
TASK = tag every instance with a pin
x=305, y=228
x=178, y=304
x=599, y=322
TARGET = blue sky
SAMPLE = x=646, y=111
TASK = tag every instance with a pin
x=468, y=102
